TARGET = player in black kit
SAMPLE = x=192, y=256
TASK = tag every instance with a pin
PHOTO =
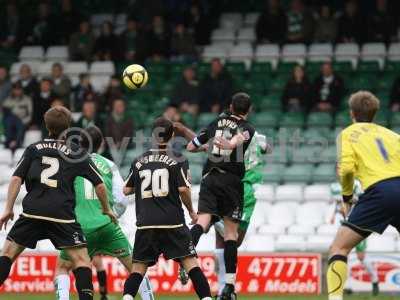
x=160, y=180
x=221, y=189
x=48, y=169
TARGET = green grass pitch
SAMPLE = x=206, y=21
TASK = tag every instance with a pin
x=353, y=297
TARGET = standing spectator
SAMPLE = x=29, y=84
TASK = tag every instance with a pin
x=61, y=83
x=395, y=96
x=42, y=102
x=130, y=40
x=113, y=91
x=182, y=44
x=381, y=24
x=27, y=81
x=215, y=89
x=351, y=24
x=159, y=39
x=43, y=30
x=326, y=26
x=81, y=43
x=106, y=45
x=10, y=25
x=83, y=88
x=186, y=92
x=118, y=125
x=5, y=84
x=89, y=115
x=67, y=21
x=296, y=96
x=199, y=24
x=299, y=23
x=328, y=90
x=271, y=24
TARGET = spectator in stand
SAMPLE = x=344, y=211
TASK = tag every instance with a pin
x=67, y=21
x=186, y=92
x=130, y=40
x=351, y=24
x=83, y=88
x=182, y=44
x=199, y=24
x=61, y=83
x=299, y=23
x=395, y=96
x=297, y=92
x=381, y=24
x=10, y=25
x=159, y=38
x=42, y=102
x=89, y=115
x=118, y=125
x=326, y=26
x=81, y=43
x=5, y=84
x=114, y=91
x=272, y=17
x=328, y=90
x=106, y=45
x=43, y=29
x=216, y=89
x=27, y=81
x=171, y=112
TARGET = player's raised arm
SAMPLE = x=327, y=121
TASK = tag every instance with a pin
x=186, y=132
x=199, y=143
x=346, y=165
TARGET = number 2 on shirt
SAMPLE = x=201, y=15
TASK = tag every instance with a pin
x=382, y=149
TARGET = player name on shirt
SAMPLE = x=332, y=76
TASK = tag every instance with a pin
x=161, y=158
x=54, y=145
x=227, y=124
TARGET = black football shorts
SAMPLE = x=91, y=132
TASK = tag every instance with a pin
x=28, y=231
x=174, y=243
x=221, y=195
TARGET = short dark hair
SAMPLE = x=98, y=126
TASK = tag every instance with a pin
x=241, y=103
x=163, y=129
x=92, y=137
x=57, y=120
x=364, y=106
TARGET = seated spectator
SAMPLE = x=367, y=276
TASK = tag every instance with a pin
x=17, y=116
x=5, y=84
x=89, y=115
x=351, y=24
x=381, y=24
x=43, y=29
x=325, y=26
x=159, y=39
x=297, y=92
x=106, y=45
x=61, y=83
x=68, y=21
x=81, y=43
x=215, y=89
x=328, y=90
x=186, y=92
x=395, y=96
x=83, y=88
x=118, y=125
x=299, y=23
x=10, y=25
x=182, y=44
x=27, y=81
x=42, y=101
x=113, y=91
x=130, y=40
x=272, y=17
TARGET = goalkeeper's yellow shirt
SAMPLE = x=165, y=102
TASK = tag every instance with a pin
x=368, y=152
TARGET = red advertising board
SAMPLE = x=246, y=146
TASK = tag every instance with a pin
x=258, y=274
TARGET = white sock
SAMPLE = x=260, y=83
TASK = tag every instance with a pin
x=371, y=270
x=145, y=289
x=207, y=298
x=219, y=254
x=347, y=284
x=62, y=285
x=127, y=297
x=230, y=278
x=220, y=227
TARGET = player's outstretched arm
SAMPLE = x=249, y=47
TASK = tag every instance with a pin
x=186, y=197
x=13, y=190
x=186, y=132
x=101, y=193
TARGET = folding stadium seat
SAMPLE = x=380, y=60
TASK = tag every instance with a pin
x=241, y=53
x=76, y=68
x=264, y=119
x=195, y=158
x=32, y=136
x=301, y=229
x=294, y=53
x=365, y=67
x=327, y=229
x=250, y=19
x=102, y=68
x=292, y=119
x=273, y=171
x=267, y=53
x=342, y=119
x=196, y=173
x=311, y=213
x=214, y=51
x=290, y=243
x=231, y=20
x=347, y=52
x=317, y=192
x=265, y=192
x=319, y=119
x=289, y=192
x=318, y=243
x=303, y=155
x=260, y=215
x=281, y=214
x=377, y=243
x=223, y=35
x=374, y=52
x=298, y=174
x=97, y=19
x=99, y=82
x=395, y=119
x=31, y=53
x=257, y=243
x=236, y=68
x=57, y=53
x=394, y=52
x=324, y=173
x=320, y=52
x=205, y=119
x=328, y=154
x=271, y=229
x=246, y=35
x=260, y=69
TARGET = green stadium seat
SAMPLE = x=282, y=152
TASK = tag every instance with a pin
x=156, y=68
x=385, y=83
x=329, y=154
x=392, y=67
x=189, y=119
x=292, y=119
x=196, y=158
x=395, y=119
x=382, y=117
x=270, y=102
x=319, y=119
x=396, y=129
x=273, y=172
x=363, y=82
x=203, y=69
x=368, y=67
x=262, y=68
x=277, y=84
x=324, y=173
x=176, y=69
x=265, y=120
x=196, y=173
x=279, y=154
x=314, y=134
x=205, y=119
x=251, y=86
x=236, y=68
x=313, y=68
x=297, y=173
x=286, y=67
x=342, y=67
x=302, y=155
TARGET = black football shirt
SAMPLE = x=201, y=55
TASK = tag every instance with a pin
x=156, y=176
x=48, y=169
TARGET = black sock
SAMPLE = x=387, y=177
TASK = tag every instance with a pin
x=196, y=232
x=200, y=283
x=102, y=278
x=5, y=267
x=230, y=256
x=132, y=284
x=84, y=285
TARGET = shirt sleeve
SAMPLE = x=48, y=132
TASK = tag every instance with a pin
x=89, y=171
x=24, y=164
x=346, y=163
x=120, y=200
x=183, y=175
